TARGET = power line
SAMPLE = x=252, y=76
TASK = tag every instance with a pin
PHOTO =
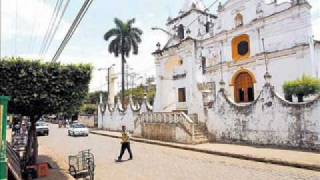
x=16, y=30
x=50, y=25
x=56, y=27
x=34, y=24
x=206, y=9
x=72, y=29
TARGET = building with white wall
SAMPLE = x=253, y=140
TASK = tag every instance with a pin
x=234, y=45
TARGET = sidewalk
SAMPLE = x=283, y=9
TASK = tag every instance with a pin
x=298, y=159
x=59, y=168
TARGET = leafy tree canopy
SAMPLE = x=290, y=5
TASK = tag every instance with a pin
x=38, y=88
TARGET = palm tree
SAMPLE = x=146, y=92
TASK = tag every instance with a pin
x=125, y=39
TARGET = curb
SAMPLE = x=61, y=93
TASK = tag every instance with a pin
x=226, y=154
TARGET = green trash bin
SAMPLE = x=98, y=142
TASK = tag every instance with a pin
x=3, y=135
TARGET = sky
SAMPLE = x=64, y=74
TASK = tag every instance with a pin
x=24, y=23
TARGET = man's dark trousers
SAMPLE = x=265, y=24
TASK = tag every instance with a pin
x=124, y=146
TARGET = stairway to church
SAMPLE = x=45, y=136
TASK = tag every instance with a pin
x=200, y=133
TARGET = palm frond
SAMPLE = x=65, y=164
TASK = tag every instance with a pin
x=110, y=33
x=126, y=38
x=135, y=47
x=135, y=36
x=131, y=21
x=119, y=23
x=137, y=30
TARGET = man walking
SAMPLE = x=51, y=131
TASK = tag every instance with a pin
x=125, y=144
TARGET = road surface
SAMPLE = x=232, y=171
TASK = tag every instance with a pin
x=164, y=163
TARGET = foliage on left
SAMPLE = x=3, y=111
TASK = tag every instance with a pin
x=38, y=88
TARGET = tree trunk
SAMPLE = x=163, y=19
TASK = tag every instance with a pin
x=32, y=145
x=300, y=97
x=122, y=77
x=288, y=98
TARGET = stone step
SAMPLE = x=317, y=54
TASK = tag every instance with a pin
x=200, y=141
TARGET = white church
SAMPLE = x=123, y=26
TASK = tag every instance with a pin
x=237, y=45
x=219, y=77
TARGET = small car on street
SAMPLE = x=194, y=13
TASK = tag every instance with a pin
x=78, y=130
x=42, y=128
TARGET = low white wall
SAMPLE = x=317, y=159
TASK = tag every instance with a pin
x=113, y=118
x=270, y=120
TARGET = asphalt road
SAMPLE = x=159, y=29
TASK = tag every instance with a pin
x=152, y=162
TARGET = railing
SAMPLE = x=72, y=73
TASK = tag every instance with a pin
x=168, y=117
x=14, y=162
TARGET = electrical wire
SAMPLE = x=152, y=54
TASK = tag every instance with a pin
x=209, y=7
x=34, y=23
x=16, y=31
x=56, y=27
x=50, y=25
x=72, y=29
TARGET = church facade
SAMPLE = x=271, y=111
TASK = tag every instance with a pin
x=236, y=48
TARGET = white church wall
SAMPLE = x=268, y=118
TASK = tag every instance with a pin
x=270, y=120
x=317, y=58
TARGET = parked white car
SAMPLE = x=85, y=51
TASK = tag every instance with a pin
x=78, y=130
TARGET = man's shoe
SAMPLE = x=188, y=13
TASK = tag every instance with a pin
x=130, y=158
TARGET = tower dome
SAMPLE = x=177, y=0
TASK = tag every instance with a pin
x=193, y=4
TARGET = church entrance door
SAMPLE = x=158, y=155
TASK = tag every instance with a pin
x=244, y=88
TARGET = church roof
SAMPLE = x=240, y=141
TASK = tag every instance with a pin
x=189, y=12
x=193, y=4
x=190, y=6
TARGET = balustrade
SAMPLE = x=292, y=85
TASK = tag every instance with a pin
x=178, y=118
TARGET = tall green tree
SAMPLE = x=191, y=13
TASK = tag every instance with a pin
x=125, y=39
x=38, y=89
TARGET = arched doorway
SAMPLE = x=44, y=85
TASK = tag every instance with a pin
x=243, y=87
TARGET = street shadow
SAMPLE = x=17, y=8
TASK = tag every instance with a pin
x=55, y=171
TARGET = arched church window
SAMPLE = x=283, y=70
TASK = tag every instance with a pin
x=241, y=47
x=181, y=31
x=238, y=20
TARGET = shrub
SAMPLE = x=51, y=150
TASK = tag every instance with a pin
x=88, y=109
x=303, y=87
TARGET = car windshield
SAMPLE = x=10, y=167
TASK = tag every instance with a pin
x=78, y=126
x=41, y=124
